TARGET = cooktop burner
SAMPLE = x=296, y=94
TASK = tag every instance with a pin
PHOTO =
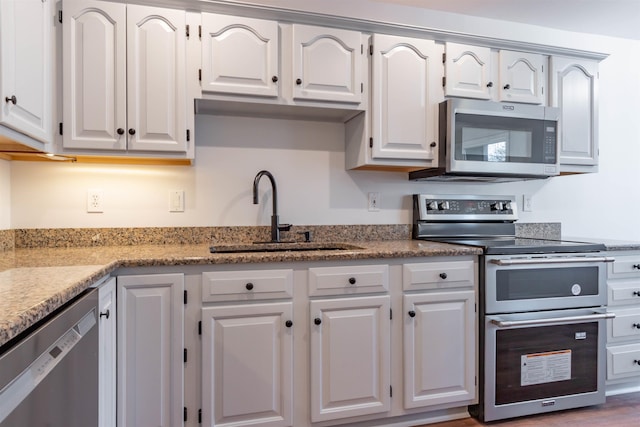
x=483, y=221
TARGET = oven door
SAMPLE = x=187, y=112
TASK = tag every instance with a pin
x=544, y=282
x=543, y=361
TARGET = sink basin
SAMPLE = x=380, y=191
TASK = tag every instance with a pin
x=283, y=247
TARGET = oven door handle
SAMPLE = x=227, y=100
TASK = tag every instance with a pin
x=530, y=261
x=568, y=319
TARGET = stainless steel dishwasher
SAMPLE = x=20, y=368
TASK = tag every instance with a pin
x=50, y=376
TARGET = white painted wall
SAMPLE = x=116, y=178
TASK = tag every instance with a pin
x=307, y=159
x=5, y=195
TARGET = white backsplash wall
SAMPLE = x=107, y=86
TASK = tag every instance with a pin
x=5, y=194
x=307, y=160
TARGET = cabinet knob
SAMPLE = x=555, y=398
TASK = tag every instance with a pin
x=298, y=81
x=317, y=320
x=132, y=131
x=288, y=323
x=636, y=325
x=12, y=100
x=636, y=266
x=507, y=86
x=412, y=313
x=636, y=362
x=274, y=79
x=433, y=144
x=120, y=131
x=249, y=286
x=443, y=276
x=105, y=314
x=636, y=293
x=352, y=280
x=490, y=84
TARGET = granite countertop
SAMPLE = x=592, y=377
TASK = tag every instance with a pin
x=35, y=282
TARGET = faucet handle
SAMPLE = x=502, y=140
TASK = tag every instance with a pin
x=307, y=235
x=284, y=227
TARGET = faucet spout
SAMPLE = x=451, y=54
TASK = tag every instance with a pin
x=275, y=224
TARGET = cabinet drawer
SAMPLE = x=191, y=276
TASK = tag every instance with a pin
x=623, y=361
x=624, y=292
x=437, y=275
x=246, y=285
x=625, y=266
x=625, y=326
x=357, y=279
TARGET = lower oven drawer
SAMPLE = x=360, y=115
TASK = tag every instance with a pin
x=623, y=361
x=543, y=361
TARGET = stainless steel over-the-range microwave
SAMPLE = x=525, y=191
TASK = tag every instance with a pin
x=495, y=141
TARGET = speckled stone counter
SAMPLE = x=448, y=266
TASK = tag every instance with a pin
x=35, y=282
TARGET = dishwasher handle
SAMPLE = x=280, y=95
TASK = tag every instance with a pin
x=529, y=261
x=539, y=322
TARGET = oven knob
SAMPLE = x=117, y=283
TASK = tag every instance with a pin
x=432, y=206
x=506, y=206
x=443, y=206
x=497, y=206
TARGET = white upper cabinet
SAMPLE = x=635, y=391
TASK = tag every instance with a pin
x=468, y=71
x=502, y=75
x=26, y=60
x=240, y=55
x=406, y=91
x=124, y=78
x=327, y=64
x=574, y=89
x=522, y=77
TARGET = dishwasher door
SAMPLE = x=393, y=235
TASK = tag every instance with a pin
x=50, y=377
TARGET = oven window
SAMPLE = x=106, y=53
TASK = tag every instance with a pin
x=537, y=283
x=546, y=362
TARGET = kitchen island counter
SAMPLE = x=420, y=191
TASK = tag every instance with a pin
x=35, y=282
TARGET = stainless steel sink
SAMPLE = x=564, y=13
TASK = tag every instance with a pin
x=283, y=247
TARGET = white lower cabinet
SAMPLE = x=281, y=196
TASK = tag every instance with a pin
x=439, y=348
x=107, y=353
x=350, y=357
x=247, y=353
x=150, y=350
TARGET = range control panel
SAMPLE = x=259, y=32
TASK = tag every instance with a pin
x=465, y=208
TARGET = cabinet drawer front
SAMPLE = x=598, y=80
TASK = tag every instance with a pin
x=437, y=275
x=622, y=361
x=348, y=280
x=624, y=292
x=246, y=285
x=625, y=326
x=625, y=266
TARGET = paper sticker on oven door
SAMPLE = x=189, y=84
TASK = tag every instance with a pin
x=547, y=367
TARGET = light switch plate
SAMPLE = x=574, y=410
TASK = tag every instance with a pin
x=176, y=200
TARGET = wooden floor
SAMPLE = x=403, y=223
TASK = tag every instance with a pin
x=619, y=411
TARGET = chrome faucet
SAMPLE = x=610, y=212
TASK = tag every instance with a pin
x=276, y=227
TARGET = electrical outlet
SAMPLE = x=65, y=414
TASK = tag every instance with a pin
x=94, y=200
x=527, y=203
x=374, y=202
x=176, y=200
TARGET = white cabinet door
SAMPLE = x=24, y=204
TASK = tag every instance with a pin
x=439, y=348
x=247, y=365
x=107, y=354
x=240, y=55
x=468, y=71
x=327, y=64
x=26, y=74
x=150, y=350
x=350, y=357
x=522, y=77
x=407, y=76
x=94, y=75
x=574, y=89
x=156, y=81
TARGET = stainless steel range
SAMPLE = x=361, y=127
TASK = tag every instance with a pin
x=542, y=316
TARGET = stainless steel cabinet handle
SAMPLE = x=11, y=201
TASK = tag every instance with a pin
x=569, y=319
x=549, y=260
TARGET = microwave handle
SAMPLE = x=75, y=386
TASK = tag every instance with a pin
x=530, y=261
x=538, y=322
